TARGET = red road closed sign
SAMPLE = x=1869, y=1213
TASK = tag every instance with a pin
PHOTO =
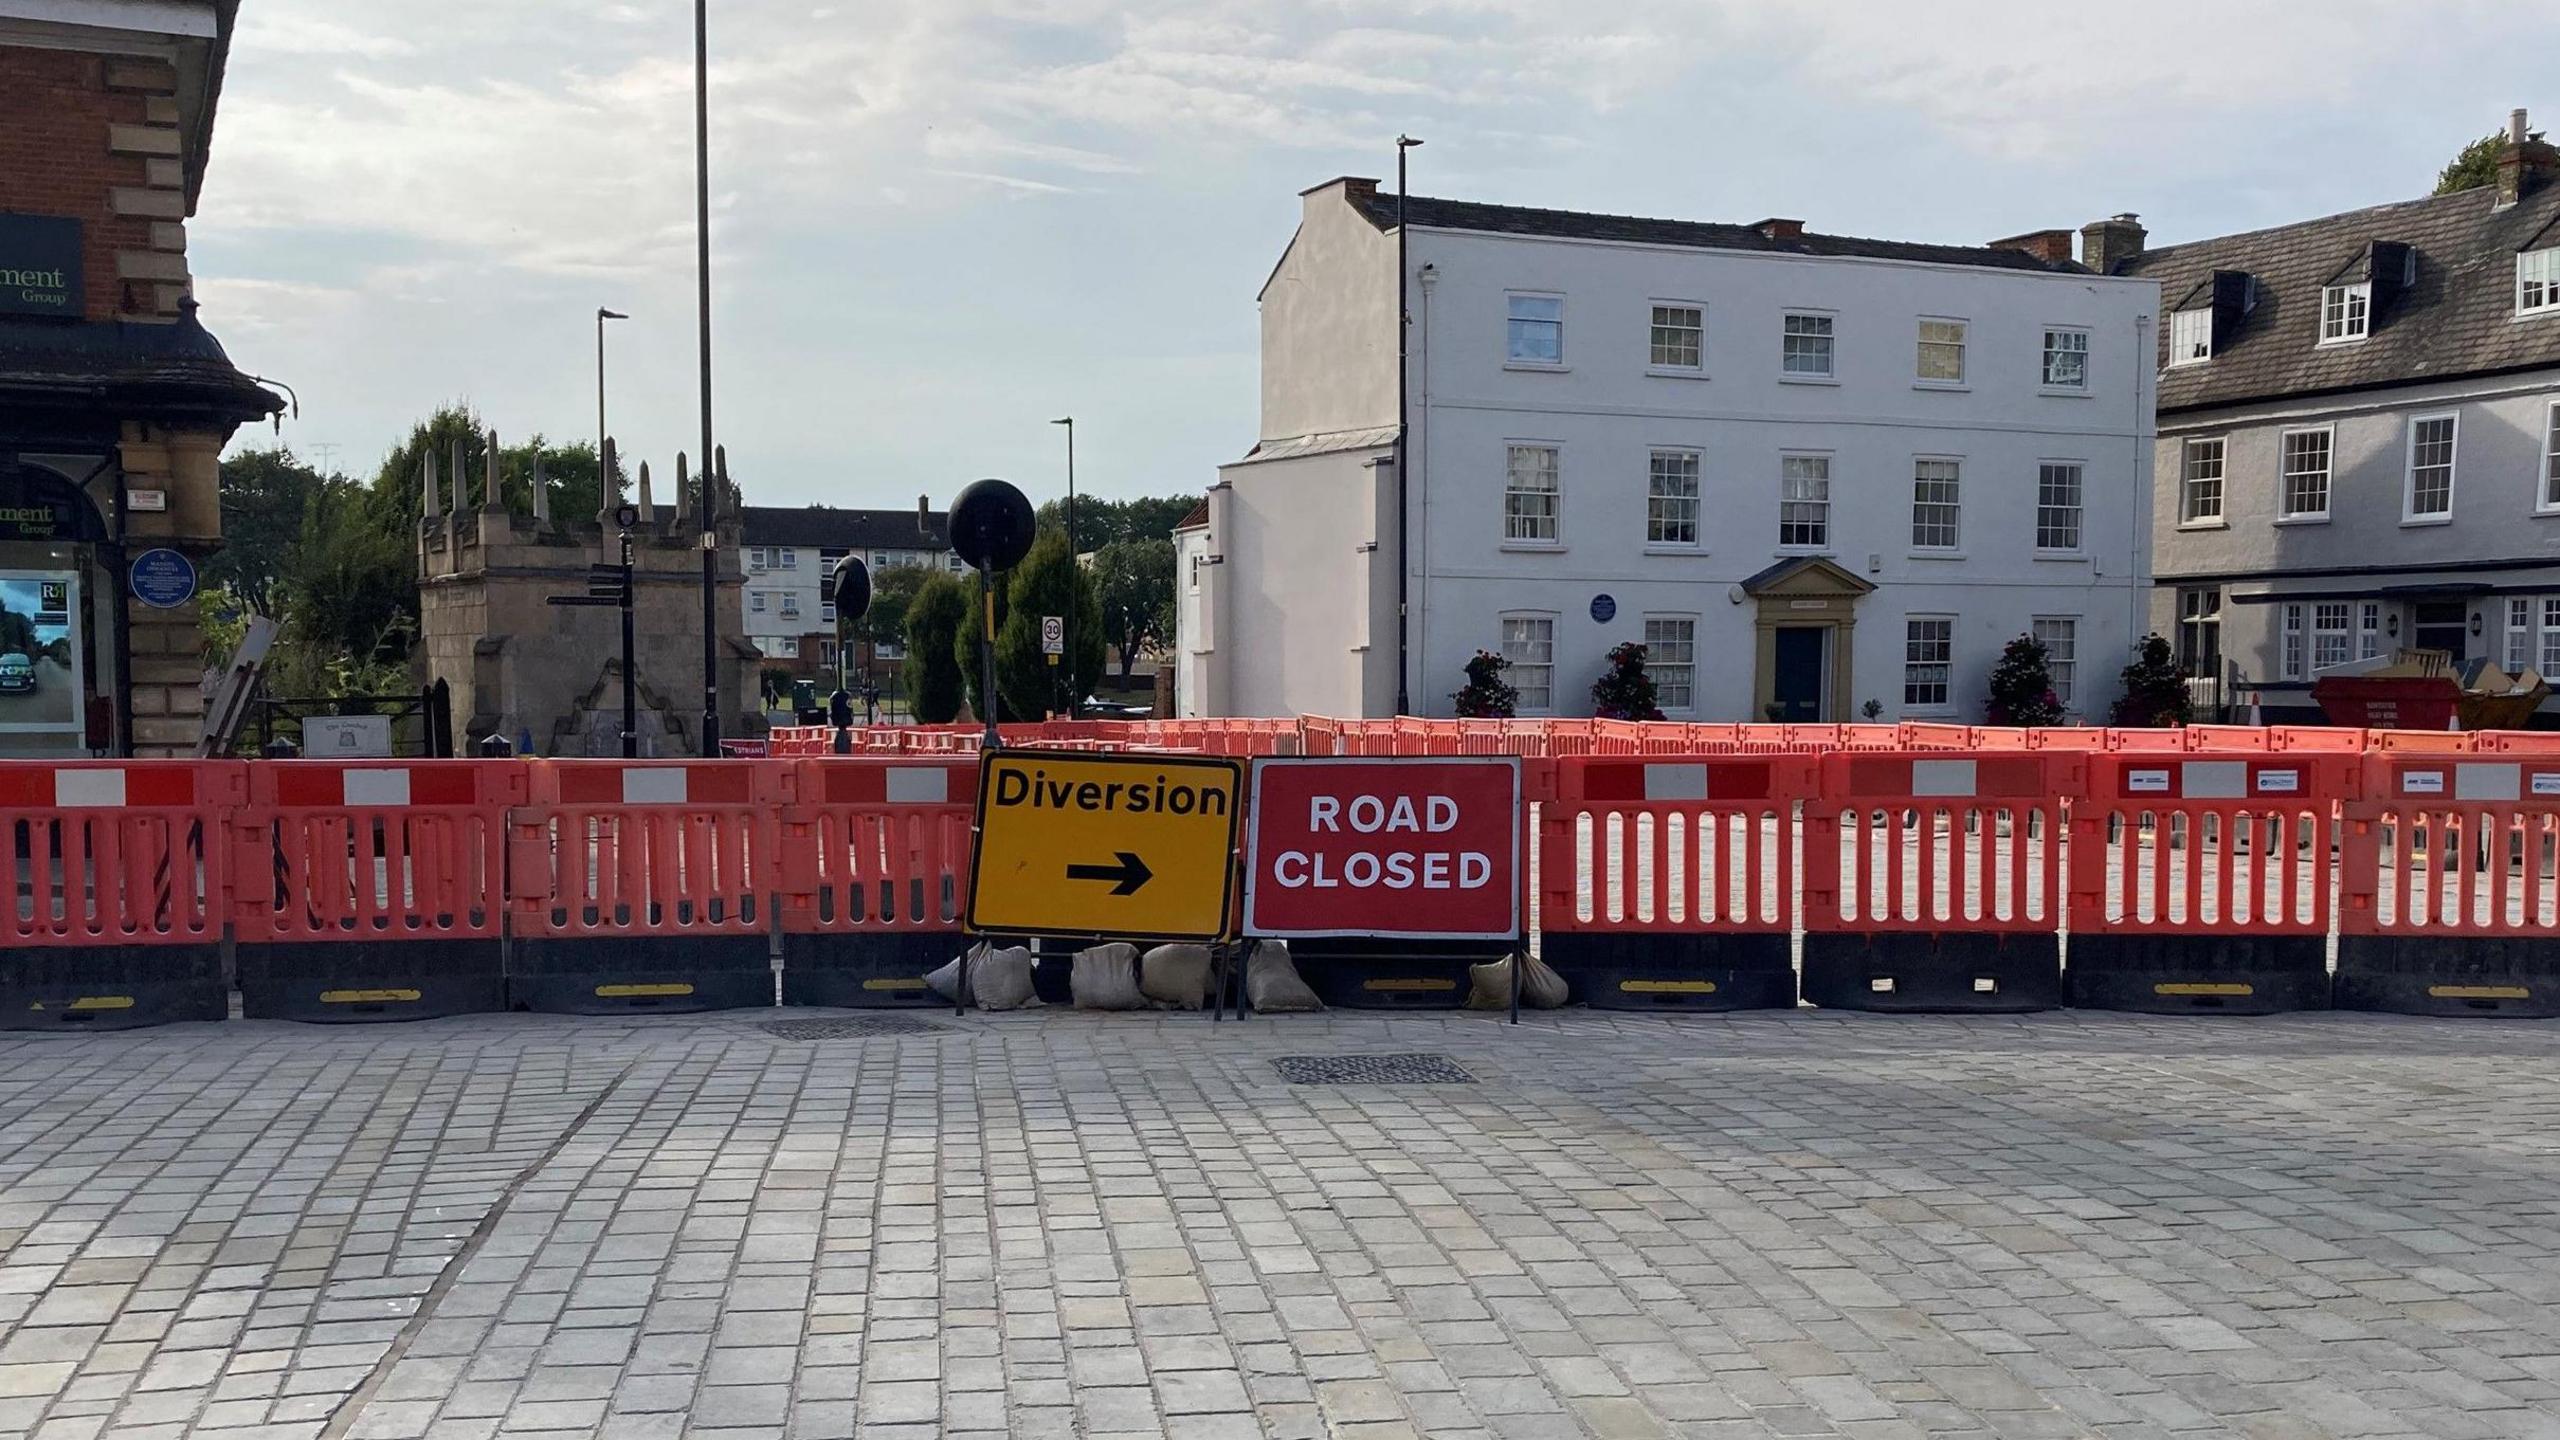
x=1422, y=849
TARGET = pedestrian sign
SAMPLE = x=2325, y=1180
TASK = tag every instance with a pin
x=1125, y=847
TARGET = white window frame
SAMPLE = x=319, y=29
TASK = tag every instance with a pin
x=1516, y=668
x=1511, y=451
x=2538, y=278
x=1955, y=544
x=1946, y=701
x=2338, y=639
x=1655, y=665
x=790, y=606
x=2285, y=514
x=1511, y=359
x=2369, y=630
x=756, y=602
x=2044, y=368
x=756, y=559
x=2547, y=500
x=1656, y=502
x=2296, y=643
x=2346, y=312
x=1787, y=501
x=2190, y=515
x=2063, y=669
x=2079, y=507
x=789, y=556
x=1923, y=344
x=2410, y=514
x=2190, y=336
x=2549, y=661
x=2519, y=633
x=1829, y=374
x=1654, y=364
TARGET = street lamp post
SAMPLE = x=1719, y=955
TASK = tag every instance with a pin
x=605, y=490
x=1075, y=700
x=1404, y=510
x=711, y=471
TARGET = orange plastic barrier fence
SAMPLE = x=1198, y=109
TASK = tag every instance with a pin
x=378, y=851
x=118, y=852
x=2452, y=893
x=1655, y=845
x=118, y=878
x=2166, y=844
x=1932, y=842
x=872, y=844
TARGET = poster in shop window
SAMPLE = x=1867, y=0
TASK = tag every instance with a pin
x=40, y=681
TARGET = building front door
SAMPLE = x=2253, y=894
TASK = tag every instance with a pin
x=2443, y=625
x=1799, y=674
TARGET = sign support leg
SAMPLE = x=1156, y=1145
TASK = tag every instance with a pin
x=1519, y=963
x=960, y=992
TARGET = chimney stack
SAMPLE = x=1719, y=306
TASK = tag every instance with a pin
x=2526, y=164
x=2105, y=245
x=1779, y=228
x=2051, y=246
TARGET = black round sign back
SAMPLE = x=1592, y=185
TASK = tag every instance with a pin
x=991, y=525
x=852, y=587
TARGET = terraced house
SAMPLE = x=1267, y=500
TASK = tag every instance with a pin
x=2359, y=438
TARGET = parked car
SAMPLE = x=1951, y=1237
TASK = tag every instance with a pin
x=17, y=675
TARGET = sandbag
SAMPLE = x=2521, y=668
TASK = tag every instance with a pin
x=1106, y=978
x=1271, y=982
x=998, y=979
x=1176, y=977
x=1541, y=988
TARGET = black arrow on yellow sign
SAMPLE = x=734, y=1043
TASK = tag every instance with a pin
x=1130, y=875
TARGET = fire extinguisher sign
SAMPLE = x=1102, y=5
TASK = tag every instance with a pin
x=1399, y=848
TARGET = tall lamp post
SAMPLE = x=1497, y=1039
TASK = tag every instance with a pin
x=710, y=467
x=604, y=481
x=1075, y=700
x=1404, y=510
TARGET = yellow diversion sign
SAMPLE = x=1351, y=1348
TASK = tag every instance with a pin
x=1124, y=847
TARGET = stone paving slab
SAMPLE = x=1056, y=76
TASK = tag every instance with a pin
x=1060, y=1224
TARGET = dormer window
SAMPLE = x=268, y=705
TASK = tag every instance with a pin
x=2346, y=312
x=2538, y=281
x=2191, y=337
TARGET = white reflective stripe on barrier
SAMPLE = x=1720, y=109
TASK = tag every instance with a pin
x=919, y=785
x=82, y=789
x=1675, y=782
x=654, y=787
x=1942, y=778
x=374, y=787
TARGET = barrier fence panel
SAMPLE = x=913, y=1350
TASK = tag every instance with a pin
x=644, y=885
x=2204, y=884
x=1933, y=882
x=1672, y=883
x=372, y=891
x=875, y=865
x=2451, y=901
x=117, y=880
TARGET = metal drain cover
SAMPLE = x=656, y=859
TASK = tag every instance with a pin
x=851, y=1028
x=1371, y=1070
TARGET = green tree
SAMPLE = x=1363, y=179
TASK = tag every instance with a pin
x=1486, y=695
x=1048, y=582
x=2155, y=694
x=893, y=593
x=2477, y=163
x=935, y=618
x=1100, y=521
x=264, y=496
x=1134, y=583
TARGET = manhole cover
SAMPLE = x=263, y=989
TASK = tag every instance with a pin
x=1371, y=1070
x=853, y=1028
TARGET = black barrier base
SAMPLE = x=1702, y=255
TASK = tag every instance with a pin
x=2198, y=974
x=2474, y=975
x=1362, y=974
x=1675, y=972
x=643, y=975
x=866, y=972
x=330, y=982
x=111, y=987
x=1901, y=970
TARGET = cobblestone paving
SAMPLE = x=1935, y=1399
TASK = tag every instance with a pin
x=1055, y=1224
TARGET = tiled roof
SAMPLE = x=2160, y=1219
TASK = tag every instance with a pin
x=2458, y=318
x=1197, y=517
x=144, y=370
x=830, y=528
x=1426, y=213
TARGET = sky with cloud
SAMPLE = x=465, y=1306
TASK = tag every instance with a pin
x=939, y=224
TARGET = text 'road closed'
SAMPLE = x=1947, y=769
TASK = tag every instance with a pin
x=1410, y=847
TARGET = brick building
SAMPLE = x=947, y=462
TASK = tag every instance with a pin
x=115, y=403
